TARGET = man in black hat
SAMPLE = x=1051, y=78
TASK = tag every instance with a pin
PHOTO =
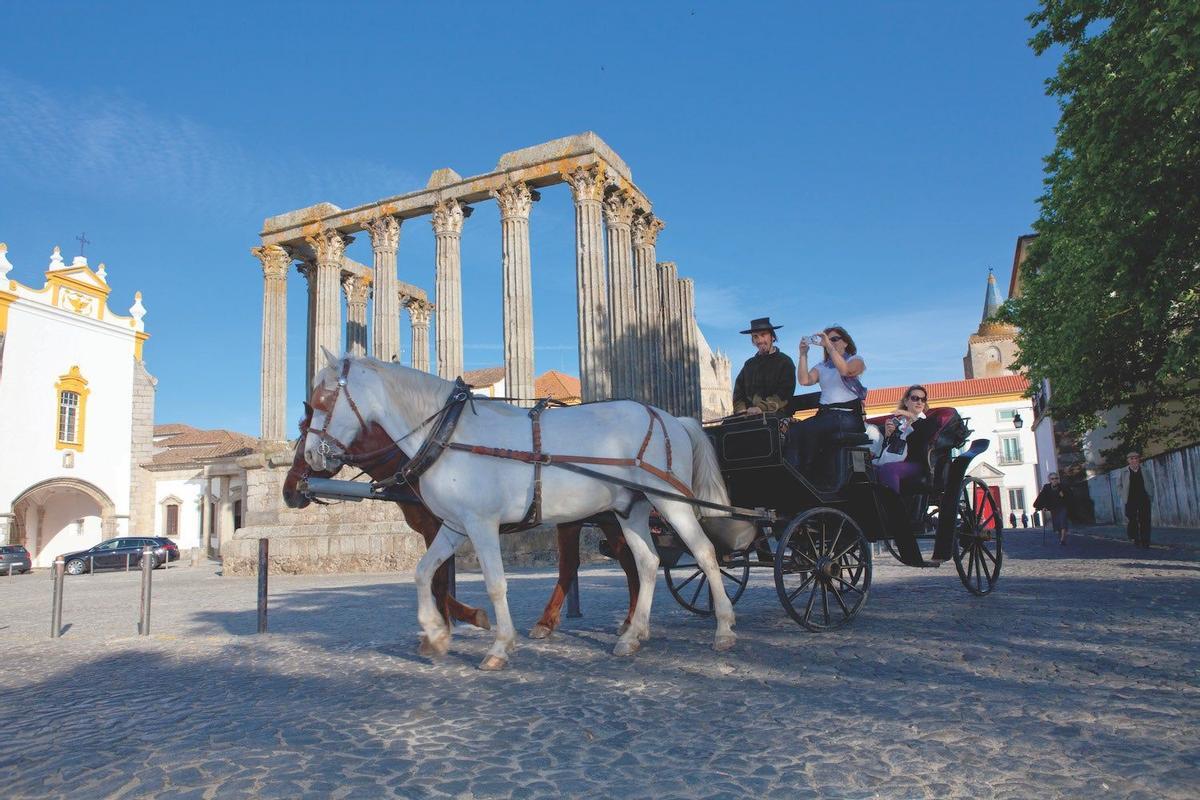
x=768, y=380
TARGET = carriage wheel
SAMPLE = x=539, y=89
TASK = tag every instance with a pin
x=823, y=569
x=978, y=538
x=689, y=585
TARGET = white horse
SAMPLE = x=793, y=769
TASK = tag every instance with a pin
x=474, y=494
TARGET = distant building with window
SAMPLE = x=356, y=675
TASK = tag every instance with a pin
x=990, y=407
x=76, y=411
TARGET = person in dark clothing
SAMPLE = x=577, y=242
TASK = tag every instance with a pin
x=1053, y=500
x=768, y=379
x=911, y=430
x=1138, y=489
x=841, y=407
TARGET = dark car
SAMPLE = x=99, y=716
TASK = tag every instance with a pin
x=14, y=558
x=117, y=553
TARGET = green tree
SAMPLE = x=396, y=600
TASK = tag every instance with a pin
x=1110, y=296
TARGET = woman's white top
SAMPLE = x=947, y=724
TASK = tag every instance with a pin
x=887, y=457
x=833, y=390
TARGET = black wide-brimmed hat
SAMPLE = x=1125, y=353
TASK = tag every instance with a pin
x=762, y=324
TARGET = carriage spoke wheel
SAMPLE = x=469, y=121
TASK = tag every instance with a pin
x=823, y=569
x=690, y=586
x=978, y=538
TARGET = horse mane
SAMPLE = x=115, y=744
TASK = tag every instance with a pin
x=419, y=389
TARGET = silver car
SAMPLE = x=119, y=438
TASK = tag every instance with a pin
x=14, y=558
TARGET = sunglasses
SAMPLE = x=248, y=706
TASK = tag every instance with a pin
x=835, y=338
x=916, y=398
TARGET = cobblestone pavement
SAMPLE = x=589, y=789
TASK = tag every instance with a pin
x=1076, y=678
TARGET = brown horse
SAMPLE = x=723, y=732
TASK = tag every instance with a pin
x=379, y=457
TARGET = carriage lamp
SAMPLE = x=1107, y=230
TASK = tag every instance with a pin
x=1017, y=421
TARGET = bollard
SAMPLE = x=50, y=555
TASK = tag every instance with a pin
x=127, y=555
x=451, y=578
x=573, y=611
x=263, y=553
x=91, y=565
x=60, y=570
x=144, y=609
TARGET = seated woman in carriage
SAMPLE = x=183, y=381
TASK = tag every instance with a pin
x=908, y=433
x=842, y=395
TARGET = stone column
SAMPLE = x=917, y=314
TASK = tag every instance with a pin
x=205, y=515
x=447, y=219
x=691, y=345
x=330, y=247
x=587, y=186
x=419, y=312
x=622, y=294
x=309, y=270
x=224, y=512
x=646, y=227
x=515, y=201
x=672, y=351
x=273, y=388
x=385, y=313
x=357, y=289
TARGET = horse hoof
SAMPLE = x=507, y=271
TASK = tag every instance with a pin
x=433, y=649
x=724, y=642
x=481, y=620
x=540, y=631
x=624, y=627
x=492, y=663
x=627, y=648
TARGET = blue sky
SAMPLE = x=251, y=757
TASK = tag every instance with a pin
x=854, y=163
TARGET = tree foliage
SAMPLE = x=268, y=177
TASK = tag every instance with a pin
x=1110, y=296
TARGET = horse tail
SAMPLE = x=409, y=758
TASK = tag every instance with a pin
x=707, y=483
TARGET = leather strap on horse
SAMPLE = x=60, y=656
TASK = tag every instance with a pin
x=538, y=458
x=438, y=438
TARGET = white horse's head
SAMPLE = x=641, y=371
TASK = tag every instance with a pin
x=337, y=414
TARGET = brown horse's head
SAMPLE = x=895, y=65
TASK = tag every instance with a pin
x=300, y=470
x=381, y=458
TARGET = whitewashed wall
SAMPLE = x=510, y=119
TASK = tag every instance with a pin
x=1176, y=501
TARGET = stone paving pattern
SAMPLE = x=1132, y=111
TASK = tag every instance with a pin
x=1077, y=679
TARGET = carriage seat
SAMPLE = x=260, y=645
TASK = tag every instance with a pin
x=951, y=433
x=848, y=439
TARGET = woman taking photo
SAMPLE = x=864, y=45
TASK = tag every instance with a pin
x=842, y=393
x=906, y=438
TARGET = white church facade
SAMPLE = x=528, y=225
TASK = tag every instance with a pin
x=76, y=411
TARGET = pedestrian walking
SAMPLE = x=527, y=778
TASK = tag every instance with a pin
x=1052, y=499
x=1024, y=519
x=1136, y=487
x=1012, y=519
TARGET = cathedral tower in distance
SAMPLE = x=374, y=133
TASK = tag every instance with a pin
x=991, y=349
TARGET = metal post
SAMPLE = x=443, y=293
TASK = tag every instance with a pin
x=144, y=610
x=573, y=611
x=451, y=578
x=262, y=584
x=56, y=610
x=127, y=555
x=91, y=565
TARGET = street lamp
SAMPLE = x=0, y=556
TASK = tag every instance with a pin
x=1017, y=421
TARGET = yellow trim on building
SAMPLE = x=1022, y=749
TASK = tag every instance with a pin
x=139, y=339
x=974, y=400
x=71, y=382
x=6, y=300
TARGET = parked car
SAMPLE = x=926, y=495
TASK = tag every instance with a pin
x=14, y=558
x=116, y=553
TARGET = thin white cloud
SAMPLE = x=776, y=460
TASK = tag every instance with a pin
x=117, y=146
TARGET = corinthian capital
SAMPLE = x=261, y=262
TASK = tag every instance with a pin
x=329, y=245
x=587, y=183
x=448, y=216
x=385, y=232
x=618, y=208
x=357, y=289
x=646, y=228
x=275, y=260
x=419, y=311
x=515, y=199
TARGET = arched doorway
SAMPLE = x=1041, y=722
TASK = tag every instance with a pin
x=62, y=515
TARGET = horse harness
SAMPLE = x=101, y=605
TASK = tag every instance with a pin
x=447, y=420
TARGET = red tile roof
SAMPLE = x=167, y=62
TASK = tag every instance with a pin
x=483, y=378
x=944, y=390
x=192, y=447
x=558, y=385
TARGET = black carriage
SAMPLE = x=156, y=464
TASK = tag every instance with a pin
x=816, y=531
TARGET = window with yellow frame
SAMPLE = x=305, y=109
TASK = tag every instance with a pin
x=71, y=410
